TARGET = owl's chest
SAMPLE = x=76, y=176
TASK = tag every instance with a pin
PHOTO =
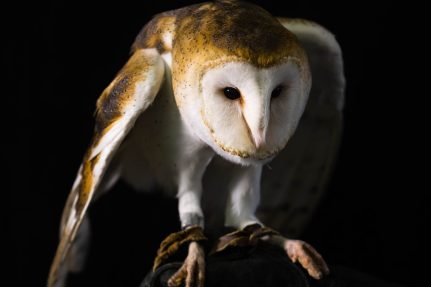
x=158, y=146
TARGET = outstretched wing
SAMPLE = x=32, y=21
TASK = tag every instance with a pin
x=293, y=183
x=129, y=94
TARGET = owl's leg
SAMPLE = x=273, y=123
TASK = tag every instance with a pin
x=240, y=213
x=244, y=197
x=192, y=222
x=193, y=269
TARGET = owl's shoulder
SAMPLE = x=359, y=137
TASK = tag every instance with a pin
x=160, y=31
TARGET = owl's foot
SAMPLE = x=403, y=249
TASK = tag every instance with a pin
x=193, y=269
x=297, y=250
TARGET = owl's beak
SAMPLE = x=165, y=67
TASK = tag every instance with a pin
x=257, y=119
x=259, y=138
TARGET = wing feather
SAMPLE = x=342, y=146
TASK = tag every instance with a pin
x=131, y=92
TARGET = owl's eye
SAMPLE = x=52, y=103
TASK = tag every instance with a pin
x=231, y=93
x=277, y=91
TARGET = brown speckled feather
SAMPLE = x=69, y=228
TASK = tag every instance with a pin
x=130, y=93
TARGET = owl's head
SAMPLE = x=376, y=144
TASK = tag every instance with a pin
x=241, y=86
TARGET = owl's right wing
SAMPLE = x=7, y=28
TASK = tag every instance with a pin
x=298, y=177
x=130, y=94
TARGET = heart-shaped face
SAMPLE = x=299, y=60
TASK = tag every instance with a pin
x=250, y=112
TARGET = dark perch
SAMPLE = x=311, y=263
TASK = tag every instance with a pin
x=263, y=265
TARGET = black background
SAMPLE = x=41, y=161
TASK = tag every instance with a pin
x=59, y=56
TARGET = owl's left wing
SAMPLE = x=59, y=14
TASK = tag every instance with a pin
x=130, y=93
x=298, y=176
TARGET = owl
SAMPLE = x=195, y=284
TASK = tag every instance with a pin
x=206, y=108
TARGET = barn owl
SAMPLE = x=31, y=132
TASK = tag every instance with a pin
x=220, y=85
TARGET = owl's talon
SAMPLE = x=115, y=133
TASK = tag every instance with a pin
x=304, y=253
x=308, y=257
x=193, y=269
